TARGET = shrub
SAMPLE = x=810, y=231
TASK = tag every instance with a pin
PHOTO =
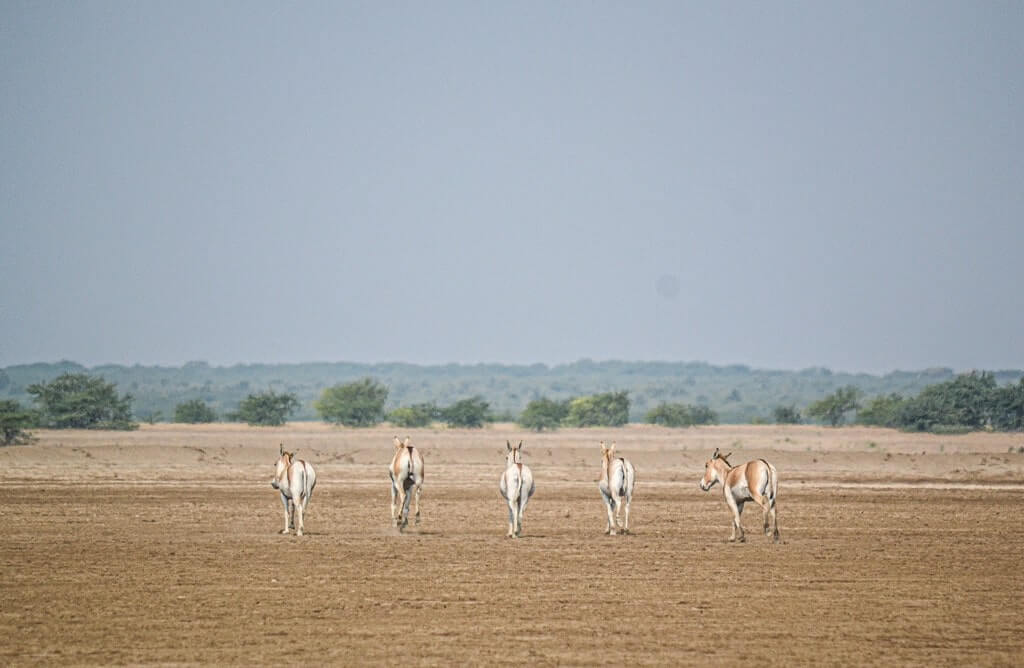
x=680, y=415
x=13, y=422
x=417, y=415
x=834, y=407
x=194, y=411
x=610, y=409
x=670, y=415
x=543, y=413
x=266, y=409
x=357, y=404
x=471, y=413
x=881, y=411
x=787, y=415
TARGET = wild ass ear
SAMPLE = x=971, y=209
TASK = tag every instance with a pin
x=406, y=441
x=604, y=448
x=715, y=455
x=280, y=449
x=612, y=449
x=398, y=443
x=520, y=446
x=508, y=445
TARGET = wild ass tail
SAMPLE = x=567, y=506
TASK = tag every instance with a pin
x=773, y=482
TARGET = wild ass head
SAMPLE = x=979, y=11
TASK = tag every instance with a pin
x=284, y=460
x=607, y=454
x=715, y=469
x=514, y=455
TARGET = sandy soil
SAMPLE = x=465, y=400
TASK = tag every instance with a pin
x=160, y=547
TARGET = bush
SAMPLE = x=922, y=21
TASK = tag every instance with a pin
x=81, y=401
x=266, y=409
x=194, y=411
x=1008, y=407
x=680, y=415
x=881, y=411
x=670, y=415
x=357, y=404
x=417, y=415
x=543, y=413
x=610, y=409
x=787, y=415
x=13, y=422
x=834, y=407
x=966, y=401
x=471, y=413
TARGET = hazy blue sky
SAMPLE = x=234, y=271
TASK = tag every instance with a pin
x=776, y=184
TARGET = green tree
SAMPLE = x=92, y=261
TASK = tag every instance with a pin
x=13, y=422
x=881, y=411
x=610, y=409
x=680, y=415
x=834, y=407
x=266, y=409
x=194, y=411
x=1008, y=407
x=417, y=415
x=470, y=413
x=670, y=415
x=787, y=415
x=967, y=401
x=356, y=404
x=543, y=413
x=81, y=401
x=703, y=415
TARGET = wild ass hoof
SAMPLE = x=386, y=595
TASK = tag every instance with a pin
x=283, y=532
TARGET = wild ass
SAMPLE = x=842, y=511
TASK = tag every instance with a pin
x=618, y=477
x=406, y=474
x=517, y=487
x=754, y=481
x=295, y=480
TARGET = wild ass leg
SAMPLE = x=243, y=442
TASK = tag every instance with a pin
x=737, y=528
x=771, y=526
x=511, y=519
x=394, y=506
x=626, y=527
x=406, y=499
x=765, y=503
x=519, y=516
x=610, y=529
x=287, y=514
x=419, y=488
x=297, y=511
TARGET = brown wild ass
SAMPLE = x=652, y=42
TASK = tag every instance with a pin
x=618, y=478
x=406, y=474
x=295, y=480
x=754, y=481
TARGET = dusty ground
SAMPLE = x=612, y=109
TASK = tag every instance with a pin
x=159, y=546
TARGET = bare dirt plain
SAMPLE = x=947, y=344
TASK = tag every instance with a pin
x=160, y=547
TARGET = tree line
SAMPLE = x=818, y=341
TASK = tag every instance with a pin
x=968, y=402
x=82, y=401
